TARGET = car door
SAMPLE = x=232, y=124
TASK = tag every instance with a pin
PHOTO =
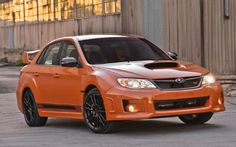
x=45, y=73
x=68, y=79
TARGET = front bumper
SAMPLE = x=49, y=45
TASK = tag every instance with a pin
x=144, y=100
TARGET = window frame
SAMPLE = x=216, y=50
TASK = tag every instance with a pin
x=70, y=42
x=44, y=52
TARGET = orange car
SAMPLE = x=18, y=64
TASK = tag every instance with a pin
x=107, y=78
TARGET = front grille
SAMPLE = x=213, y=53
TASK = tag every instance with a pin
x=180, y=103
x=179, y=83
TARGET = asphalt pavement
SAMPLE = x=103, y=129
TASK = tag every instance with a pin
x=166, y=132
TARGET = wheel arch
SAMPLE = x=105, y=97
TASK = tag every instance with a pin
x=22, y=97
x=28, y=84
x=24, y=90
x=88, y=88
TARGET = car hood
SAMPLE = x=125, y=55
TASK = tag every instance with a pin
x=153, y=69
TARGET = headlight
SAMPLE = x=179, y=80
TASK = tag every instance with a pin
x=208, y=79
x=135, y=83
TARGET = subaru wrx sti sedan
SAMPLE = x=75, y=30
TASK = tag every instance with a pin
x=103, y=79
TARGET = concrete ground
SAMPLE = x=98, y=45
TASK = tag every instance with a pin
x=167, y=132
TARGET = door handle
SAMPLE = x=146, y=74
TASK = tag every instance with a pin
x=56, y=75
x=36, y=74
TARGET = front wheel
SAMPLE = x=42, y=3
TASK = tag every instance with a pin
x=30, y=111
x=95, y=114
x=196, y=119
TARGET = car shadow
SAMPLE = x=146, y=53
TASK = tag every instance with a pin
x=69, y=124
x=141, y=127
x=162, y=127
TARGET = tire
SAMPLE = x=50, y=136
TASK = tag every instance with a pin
x=196, y=119
x=95, y=114
x=30, y=111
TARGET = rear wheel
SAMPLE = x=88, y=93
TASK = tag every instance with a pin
x=30, y=111
x=196, y=119
x=95, y=114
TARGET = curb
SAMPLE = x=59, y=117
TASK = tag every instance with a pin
x=3, y=64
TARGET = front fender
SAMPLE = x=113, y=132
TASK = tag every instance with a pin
x=26, y=81
x=102, y=80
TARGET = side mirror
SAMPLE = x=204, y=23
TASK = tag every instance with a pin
x=173, y=55
x=69, y=62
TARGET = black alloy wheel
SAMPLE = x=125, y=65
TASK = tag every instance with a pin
x=95, y=114
x=30, y=111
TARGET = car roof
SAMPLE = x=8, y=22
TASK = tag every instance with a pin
x=90, y=37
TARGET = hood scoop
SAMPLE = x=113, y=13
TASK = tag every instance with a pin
x=161, y=65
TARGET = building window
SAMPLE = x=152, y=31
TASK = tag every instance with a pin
x=87, y=8
x=64, y=9
x=67, y=9
x=31, y=10
x=49, y=10
x=112, y=6
x=97, y=7
x=18, y=10
x=45, y=10
x=80, y=8
x=1, y=12
x=7, y=11
x=57, y=6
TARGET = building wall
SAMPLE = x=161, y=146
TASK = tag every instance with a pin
x=33, y=23
x=199, y=32
x=143, y=17
x=132, y=17
x=183, y=29
x=34, y=35
x=196, y=29
x=153, y=21
x=220, y=36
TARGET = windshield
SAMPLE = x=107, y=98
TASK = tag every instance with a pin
x=124, y=49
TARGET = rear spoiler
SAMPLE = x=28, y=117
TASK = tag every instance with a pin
x=28, y=56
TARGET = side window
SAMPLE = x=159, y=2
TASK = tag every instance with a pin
x=51, y=55
x=69, y=50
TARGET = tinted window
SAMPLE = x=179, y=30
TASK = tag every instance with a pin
x=101, y=51
x=51, y=55
x=69, y=50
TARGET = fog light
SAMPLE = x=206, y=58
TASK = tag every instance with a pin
x=131, y=108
